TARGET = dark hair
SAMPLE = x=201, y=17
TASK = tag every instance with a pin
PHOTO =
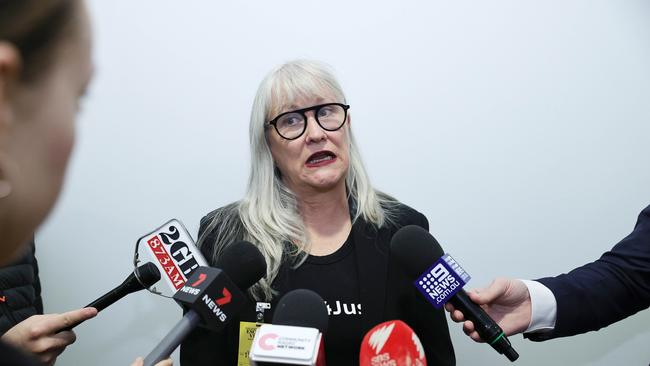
x=34, y=27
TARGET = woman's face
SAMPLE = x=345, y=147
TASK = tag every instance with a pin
x=38, y=133
x=318, y=160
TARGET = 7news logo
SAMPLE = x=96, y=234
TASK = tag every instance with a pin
x=215, y=305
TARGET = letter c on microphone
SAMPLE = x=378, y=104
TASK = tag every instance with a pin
x=265, y=341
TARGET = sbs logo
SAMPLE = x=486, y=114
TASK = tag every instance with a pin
x=379, y=337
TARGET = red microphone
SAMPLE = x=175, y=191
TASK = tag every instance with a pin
x=392, y=343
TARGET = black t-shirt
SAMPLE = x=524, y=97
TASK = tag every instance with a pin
x=10, y=356
x=335, y=278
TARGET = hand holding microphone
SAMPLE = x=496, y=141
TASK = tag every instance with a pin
x=140, y=362
x=141, y=278
x=440, y=279
x=47, y=336
x=41, y=335
x=507, y=301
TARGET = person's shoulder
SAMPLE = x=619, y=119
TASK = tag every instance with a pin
x=408, y=215
x=399, y=214
x=222, y=224
x=213, y=219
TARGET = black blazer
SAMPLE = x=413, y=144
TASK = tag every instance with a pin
x=385, y=291
x=605, y=291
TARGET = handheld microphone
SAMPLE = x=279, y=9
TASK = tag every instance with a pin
x=296, y=335
x=212, y=297
x=141, y=278
x=392, y=343
x=440, y=279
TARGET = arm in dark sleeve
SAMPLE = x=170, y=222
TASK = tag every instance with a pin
x=603, y=292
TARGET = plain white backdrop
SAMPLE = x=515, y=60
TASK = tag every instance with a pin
x=519, y=128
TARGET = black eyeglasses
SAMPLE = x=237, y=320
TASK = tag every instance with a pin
x=291, y=125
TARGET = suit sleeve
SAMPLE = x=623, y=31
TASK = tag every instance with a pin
x=431, y=323
x=603, y=292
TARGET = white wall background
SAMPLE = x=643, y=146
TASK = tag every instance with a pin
x=520, y=128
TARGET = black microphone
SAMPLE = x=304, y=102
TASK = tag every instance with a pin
x=423, y=259
x=302, y=308
x=212, y=296
x=142, y=277
x=295, y=336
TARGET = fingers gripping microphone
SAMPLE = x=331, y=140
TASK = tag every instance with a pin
x=141, y=278
x=392, y=343
x=440, y=279
x=212, y=296
x=296, y=335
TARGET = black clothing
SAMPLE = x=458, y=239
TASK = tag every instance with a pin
x=605, y=291
x=384, y=291
x=20, y=290
x=334, y=277
x=10, y=356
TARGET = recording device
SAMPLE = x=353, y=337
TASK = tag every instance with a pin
x=141, y=278
x=171, y=248
x=296, y=335
x=392, y=343
x=440, y=279
x=212, y=296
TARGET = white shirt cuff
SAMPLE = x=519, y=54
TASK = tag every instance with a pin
x=543, y=307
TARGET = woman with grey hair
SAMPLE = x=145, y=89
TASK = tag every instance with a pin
x=312, y=212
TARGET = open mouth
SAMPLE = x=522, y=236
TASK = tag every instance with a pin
x=321, y=157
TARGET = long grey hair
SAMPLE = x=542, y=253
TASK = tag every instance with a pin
x=268, y=214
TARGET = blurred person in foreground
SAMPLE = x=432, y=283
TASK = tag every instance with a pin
x=45, y=68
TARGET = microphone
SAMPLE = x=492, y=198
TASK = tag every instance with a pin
x=141, y=278
x=212, y=296
x=392, y=343
x=302, y=308
x=440, y=279
x=171, y=248
x=296, y=335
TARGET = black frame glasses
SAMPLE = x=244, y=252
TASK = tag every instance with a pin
x=316, y=109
